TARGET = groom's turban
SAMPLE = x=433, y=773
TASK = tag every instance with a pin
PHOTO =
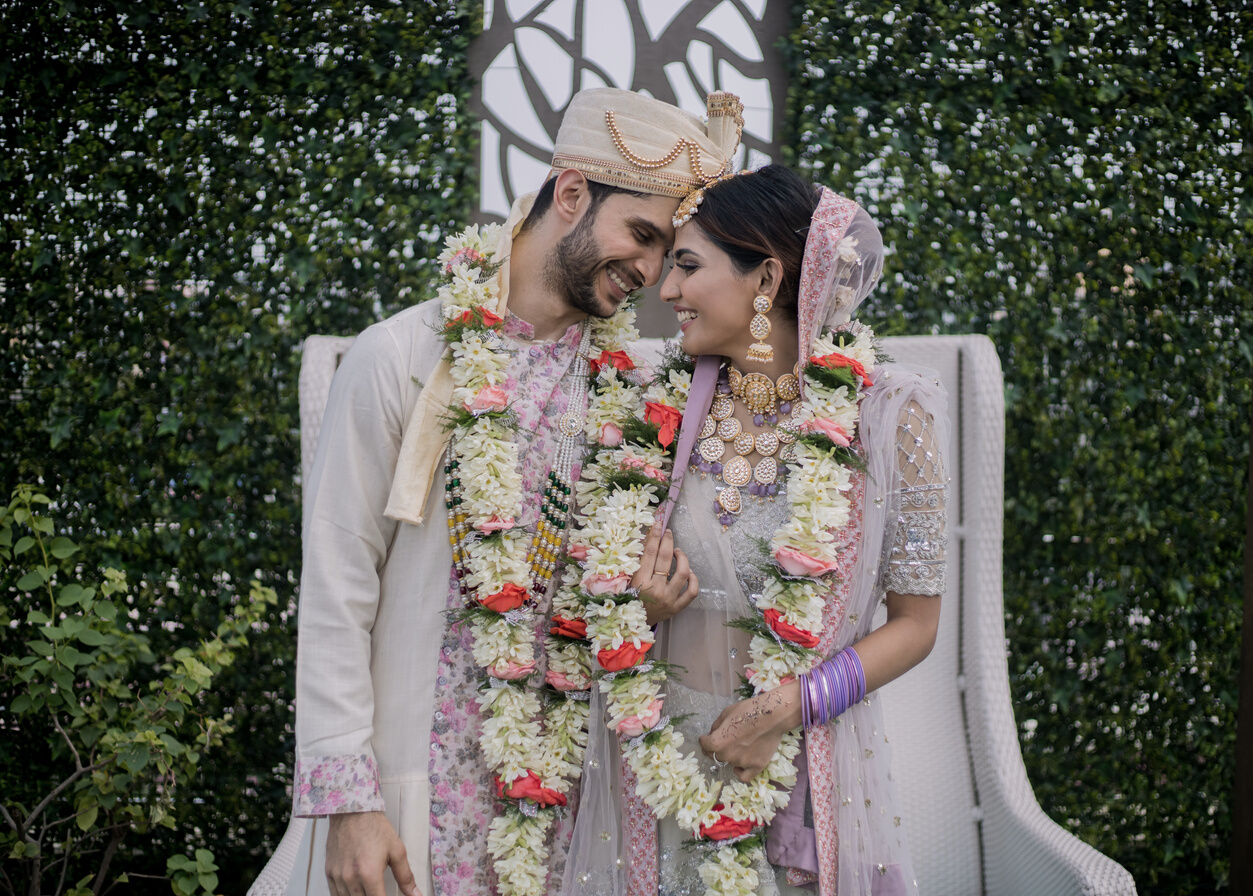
x=629, y=140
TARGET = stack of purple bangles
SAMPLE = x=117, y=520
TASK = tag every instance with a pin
x=831, y=687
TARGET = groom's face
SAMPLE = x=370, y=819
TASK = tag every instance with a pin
x=618, y=246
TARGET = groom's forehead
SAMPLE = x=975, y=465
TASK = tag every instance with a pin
x=649, y=214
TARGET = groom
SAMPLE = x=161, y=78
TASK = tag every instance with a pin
x=388, y=765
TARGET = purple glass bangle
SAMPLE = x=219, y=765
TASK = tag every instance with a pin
x=832, y=687
x=823, y=693
x=860, y=673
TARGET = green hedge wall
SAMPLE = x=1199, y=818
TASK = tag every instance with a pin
x=1071, y=178
x=190, y=188
x=187, y=190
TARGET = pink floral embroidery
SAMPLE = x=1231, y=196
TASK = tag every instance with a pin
x=463, y=802
x=332, y=784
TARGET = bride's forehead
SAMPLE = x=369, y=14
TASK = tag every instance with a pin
x=690, y=236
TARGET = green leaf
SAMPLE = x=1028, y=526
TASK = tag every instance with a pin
x=70, y=595
x=87, y=818
x=24, y=544
x=169, y=425
x=209, y=881
x=92, y=638
x=62, y=547
x=32, y=580
x=20, y=703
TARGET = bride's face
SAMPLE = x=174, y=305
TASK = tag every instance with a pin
x=712, y=299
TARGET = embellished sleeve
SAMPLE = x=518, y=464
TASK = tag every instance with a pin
x=916, y=556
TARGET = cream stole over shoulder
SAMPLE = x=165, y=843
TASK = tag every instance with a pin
x=425, y=438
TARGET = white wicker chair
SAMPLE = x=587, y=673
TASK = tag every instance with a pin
x=974, y=824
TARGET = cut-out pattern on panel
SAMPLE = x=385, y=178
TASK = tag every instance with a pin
x=533, y=56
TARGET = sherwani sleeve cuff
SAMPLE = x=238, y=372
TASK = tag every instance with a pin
x=329, y=785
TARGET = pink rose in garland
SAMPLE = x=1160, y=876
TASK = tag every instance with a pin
x=623, y=657
x=495, y=524
x=796, y=563
x=466, y=256
x=789, y=632
x=634, y=726
x=598, y=585
x=577, y=551
x=508, y=598
x=725, y=828
x=562, y=683
x=530, y=788
x=634, y=463
x=489, y=398
x=828, y=428
x=610, y=435
x=511, y=670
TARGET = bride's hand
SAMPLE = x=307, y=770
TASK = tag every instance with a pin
x=664, y=591
x=747, y=733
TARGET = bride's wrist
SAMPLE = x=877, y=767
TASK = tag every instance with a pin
x=788, y=706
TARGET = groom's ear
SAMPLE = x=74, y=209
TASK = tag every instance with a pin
x=571, y=196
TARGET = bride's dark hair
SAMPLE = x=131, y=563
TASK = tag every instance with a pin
x=759, y=215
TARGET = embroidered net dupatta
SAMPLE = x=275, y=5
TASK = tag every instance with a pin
x=615, y=851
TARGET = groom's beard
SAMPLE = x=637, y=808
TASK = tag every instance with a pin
x=573, y=268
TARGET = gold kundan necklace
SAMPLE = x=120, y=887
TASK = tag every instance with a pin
x=724, y=444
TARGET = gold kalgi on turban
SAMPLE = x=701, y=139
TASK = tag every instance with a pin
x=613, y=137
x=632, y=141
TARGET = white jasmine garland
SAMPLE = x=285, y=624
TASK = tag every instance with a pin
x=610, y=625
x=819, y=477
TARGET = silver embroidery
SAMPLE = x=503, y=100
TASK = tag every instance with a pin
x=916, y=559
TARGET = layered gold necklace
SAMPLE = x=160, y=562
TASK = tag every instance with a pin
x=724, y=444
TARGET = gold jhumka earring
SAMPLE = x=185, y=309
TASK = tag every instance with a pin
x=760, y=351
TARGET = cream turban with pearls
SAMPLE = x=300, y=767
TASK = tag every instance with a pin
x=613, y=137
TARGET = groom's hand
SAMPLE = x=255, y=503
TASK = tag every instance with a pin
x=359, y=847
x=666, y=582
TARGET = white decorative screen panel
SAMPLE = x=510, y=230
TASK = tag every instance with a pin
x=534, y=54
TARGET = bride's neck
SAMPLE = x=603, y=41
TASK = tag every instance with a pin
x=783, y=340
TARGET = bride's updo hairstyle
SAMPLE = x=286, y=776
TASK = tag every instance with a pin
x=759, y=215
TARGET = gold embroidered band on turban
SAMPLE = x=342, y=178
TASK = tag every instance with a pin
x=632, y=141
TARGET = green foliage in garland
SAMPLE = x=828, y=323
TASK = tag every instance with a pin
x=187, y=190
x=1072, y=179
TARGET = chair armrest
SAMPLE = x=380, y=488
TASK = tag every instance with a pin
x=1030, y=854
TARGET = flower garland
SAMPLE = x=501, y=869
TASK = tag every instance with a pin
x=727, y=819
x=532, y=741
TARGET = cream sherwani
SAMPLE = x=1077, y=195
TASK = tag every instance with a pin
x=372, y=597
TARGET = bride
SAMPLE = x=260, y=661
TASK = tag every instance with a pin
x=814, y=491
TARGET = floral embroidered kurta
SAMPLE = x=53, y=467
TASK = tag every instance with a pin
x=462, y=800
